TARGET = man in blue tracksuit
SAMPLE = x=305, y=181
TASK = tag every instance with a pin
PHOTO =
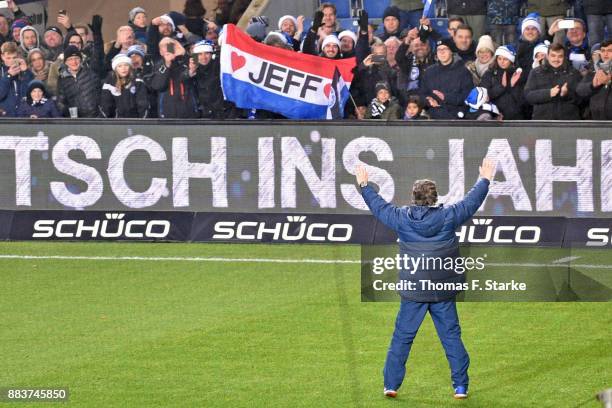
x=425, y=229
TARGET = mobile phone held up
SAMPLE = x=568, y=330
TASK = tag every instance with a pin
x=170, y=48
x=378, y=59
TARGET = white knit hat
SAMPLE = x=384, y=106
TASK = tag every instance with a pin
x=283, y=18
x=121, y=59
x=168, y=20
x=541, y=47
x=348, y=33
x=202, y=46
x=485, y=42
x=276, y=34
x=330, y=39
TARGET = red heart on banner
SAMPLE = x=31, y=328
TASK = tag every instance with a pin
x=327, y=90
x=238, y=61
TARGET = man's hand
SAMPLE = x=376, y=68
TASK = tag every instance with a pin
x=193, y=67
x=300, y=24
x=363, y=21
x=64, y=20
x=487, y=169
x=439, y=94
x=564, y=89
x=14, y=70
x=600, y=78
x=432, y=102
x=362, y=175
x=317, y=21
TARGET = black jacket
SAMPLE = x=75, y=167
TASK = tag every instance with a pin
x=131, y=102
x=411, y=72
x=600, y=102
x=466, y=7
x=82, y=92
x=363, y=87
x=210, y=95
x=176, y=93
x=524, y=55
x=509, y=99
x=537, y=92
x=469, y=54
x=454, y=81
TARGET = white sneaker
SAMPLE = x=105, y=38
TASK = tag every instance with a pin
x=390, y=393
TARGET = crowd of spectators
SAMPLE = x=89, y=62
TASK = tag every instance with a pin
x=490, y=65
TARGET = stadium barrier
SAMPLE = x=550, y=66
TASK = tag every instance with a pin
x=212, y=179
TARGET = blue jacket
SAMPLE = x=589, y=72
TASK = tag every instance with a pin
x=13, y=90
x=428, y=232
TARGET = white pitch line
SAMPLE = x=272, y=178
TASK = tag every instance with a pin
x=566, y=259
x=267, y=260
x=175, y=258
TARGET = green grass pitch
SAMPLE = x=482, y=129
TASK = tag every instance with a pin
x=176, y=333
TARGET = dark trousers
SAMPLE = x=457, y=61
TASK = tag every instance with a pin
x=409, y=319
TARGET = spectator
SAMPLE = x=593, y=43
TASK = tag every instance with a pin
x=373, y=70
x=530, y=37
x=473, y=13
x=14, y=79
x=141, y=63
x=551, y=88
x=16, y=27
x=37, y=103
x=411, y=12
x=599, y=14
x=384, y=106
x=597, y=85
x=54, y=42
x=548, y=11
x=171, y=80
x=414, y=109
x=137, y=20
x=257, y=28
x=206, y=73
x=162, y=27
x=78, y=86
x=348, y=41
x=503, y=16
x=123, y=94
x=125, y=39
x=277, y=39
x=413, y=58
x=453, y=25
x=392, y=44
x=484, y=59
x=579, y=52
x=28, y=40
x=539, y=53
x=505, y=84
x=293, y=27
x=5, y=29
x=446, y=84
x=329, y=22
x=38, y=65
x=464, y=43
x=92, y=56
x=391, y=23
x=194, y=13
x=323, y=24
x=480, y=106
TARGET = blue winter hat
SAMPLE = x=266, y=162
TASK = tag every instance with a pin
x=476, y=98
x=136, y=49
x=532, y=20
x=506, y=51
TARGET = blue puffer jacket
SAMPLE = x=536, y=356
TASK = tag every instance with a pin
x=428, y=232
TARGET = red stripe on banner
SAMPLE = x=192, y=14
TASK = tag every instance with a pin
x=319, y=66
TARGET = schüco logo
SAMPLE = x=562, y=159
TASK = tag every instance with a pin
x=295, y=229
x=483, y=232
x=112, y=226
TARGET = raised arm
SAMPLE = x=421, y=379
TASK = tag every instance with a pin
x=385, y=212
x=466, y=208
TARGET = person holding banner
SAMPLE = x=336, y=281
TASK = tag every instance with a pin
x=427, y=229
